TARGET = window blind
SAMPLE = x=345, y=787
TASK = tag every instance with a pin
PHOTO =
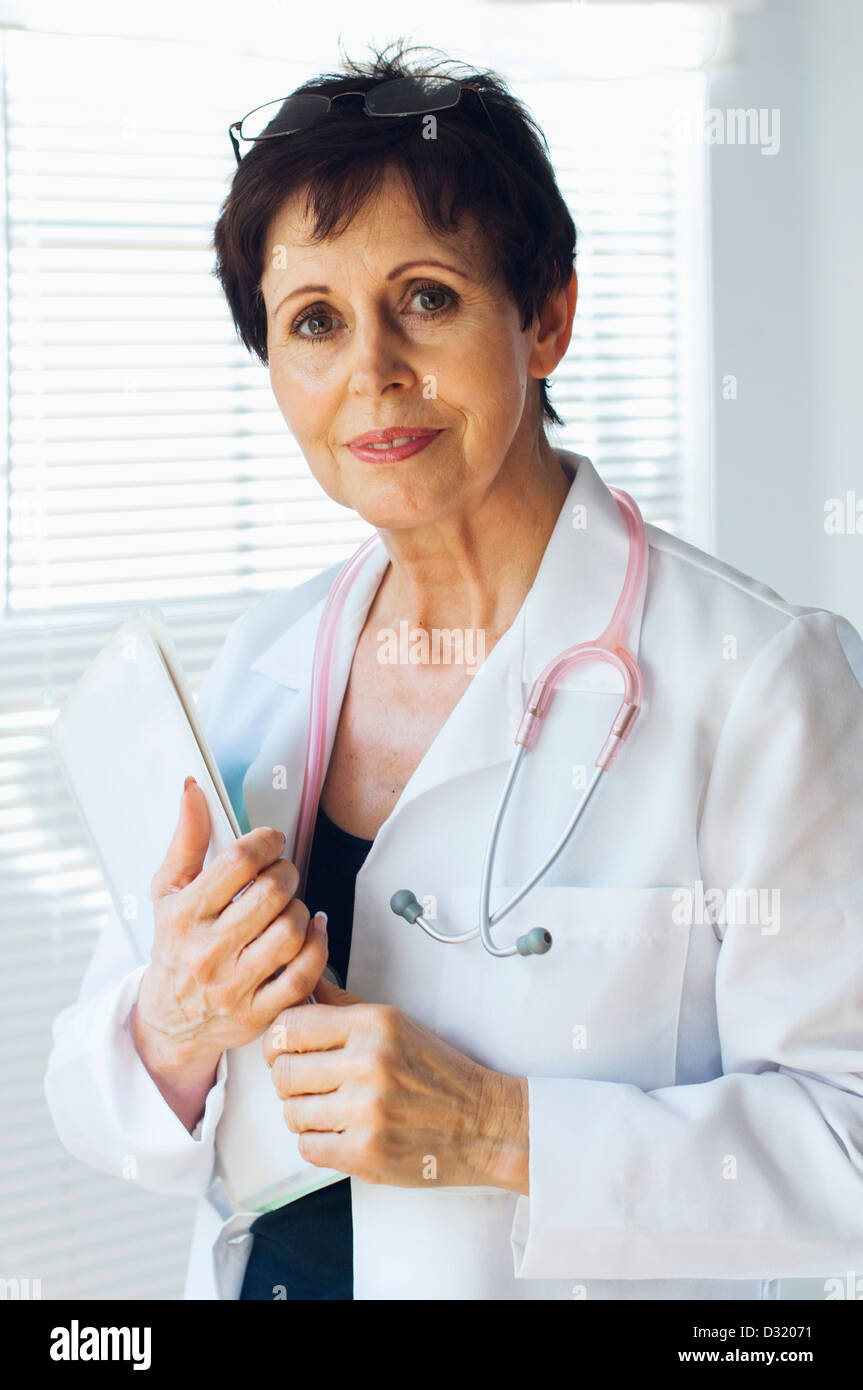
x=147, y=462
x=631, y=387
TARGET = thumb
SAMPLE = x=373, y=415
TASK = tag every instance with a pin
x=327, y=993
x=187, y=851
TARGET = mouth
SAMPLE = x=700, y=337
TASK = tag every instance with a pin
x=391, y=445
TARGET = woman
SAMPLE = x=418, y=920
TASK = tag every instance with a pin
x=668, y=1104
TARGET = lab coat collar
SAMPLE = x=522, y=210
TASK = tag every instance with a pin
x=571, y=600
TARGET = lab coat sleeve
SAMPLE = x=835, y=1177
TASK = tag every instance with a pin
x=106, y=1108
x=757, y=1173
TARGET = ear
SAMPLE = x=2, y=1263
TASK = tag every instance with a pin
x=553, y=330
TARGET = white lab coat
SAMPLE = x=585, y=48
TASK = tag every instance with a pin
x=695, y=1089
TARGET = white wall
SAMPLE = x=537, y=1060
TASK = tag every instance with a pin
x=788, y=302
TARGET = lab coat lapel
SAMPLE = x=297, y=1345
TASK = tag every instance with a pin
x=571, y=600
x=579, y=582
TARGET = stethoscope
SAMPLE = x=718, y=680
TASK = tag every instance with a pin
x=608, y=647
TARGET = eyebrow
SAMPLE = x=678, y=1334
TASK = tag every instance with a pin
x=393, y=274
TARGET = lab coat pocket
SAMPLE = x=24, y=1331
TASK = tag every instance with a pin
x=603, y=1003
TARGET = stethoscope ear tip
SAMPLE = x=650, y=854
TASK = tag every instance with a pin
x=534, y=943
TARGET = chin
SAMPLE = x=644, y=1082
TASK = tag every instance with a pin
x=394, y=507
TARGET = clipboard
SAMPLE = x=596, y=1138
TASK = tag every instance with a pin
x=126, y=737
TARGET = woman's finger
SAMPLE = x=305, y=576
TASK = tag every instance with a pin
x=307, y=1073
x=321, y=1113
x=277, y=945
x=296, y=981
x=327, y=1150
x=271, y=894
x=315, y=1029
x=212, y=892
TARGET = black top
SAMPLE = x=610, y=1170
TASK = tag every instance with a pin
x=305, y=1249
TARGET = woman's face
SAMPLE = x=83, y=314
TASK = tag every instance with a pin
x=391, y=326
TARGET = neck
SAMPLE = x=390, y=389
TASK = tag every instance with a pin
x=472, y=569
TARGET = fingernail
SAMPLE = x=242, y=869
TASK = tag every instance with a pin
x=188, y=781
x=319, y=923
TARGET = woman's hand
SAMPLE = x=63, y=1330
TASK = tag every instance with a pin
x=377, y=1096
x=210, y=983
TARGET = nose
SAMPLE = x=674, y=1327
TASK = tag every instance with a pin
x=379, y=361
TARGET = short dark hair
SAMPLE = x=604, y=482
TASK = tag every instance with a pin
x=508, y=186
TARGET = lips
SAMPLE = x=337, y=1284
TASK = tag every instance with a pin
x=392, y=444
x=390, y=436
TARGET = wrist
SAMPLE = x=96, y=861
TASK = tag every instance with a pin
x=505, y=1132
x=183, y=1083
x=174, y=1061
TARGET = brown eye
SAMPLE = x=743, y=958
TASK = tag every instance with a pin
x=428, y=300
x=317, y=324
x=432, y=299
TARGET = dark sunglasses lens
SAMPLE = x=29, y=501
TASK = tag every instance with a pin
x=409, y=96
x=283, y=117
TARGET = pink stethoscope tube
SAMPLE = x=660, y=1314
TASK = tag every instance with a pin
x=313, y=778
x=608, y=647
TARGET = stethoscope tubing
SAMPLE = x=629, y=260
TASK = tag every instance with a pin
x=608, y=647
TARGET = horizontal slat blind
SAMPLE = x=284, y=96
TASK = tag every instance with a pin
x=147, y=462
x=626, y=389
x=83, y=1234
x=147, y=456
